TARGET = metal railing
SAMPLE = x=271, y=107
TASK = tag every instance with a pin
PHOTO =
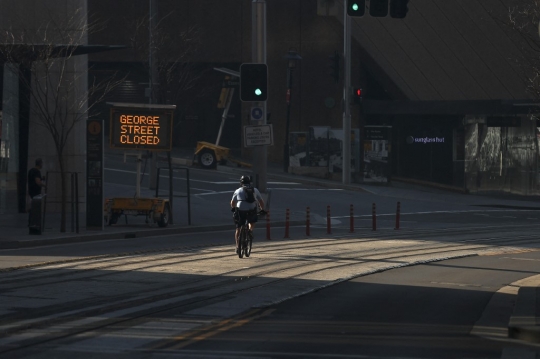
x=171, y=192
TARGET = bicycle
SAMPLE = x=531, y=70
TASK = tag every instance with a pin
x=245, y=240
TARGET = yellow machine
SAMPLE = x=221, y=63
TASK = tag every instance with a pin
x=209, y=154
x=156, y=209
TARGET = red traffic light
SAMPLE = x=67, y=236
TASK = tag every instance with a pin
x=358, y=92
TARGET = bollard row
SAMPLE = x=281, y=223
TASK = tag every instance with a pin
x=329, y=220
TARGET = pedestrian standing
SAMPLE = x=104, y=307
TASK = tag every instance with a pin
x=35, y=181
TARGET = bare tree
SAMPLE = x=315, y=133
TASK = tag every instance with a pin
x=173, y=54
x=60, y=94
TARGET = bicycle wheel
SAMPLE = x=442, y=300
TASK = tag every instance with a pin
x=241, y=241
x=249, y=242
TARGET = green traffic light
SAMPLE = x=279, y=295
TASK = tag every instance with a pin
x=258, y=92
x=355, y=6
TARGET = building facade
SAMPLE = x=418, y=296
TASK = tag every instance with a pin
x=449, y=80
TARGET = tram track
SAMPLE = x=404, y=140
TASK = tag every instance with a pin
x=275, y=263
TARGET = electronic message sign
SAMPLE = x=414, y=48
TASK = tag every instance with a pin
x=141, y=129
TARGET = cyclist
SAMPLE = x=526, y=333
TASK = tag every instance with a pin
x=244, y=205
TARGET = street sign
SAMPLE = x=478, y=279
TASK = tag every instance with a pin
x=256, y=113
x=258, y=136
x=141, y=128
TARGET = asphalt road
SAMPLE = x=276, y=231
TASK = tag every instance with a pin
x=423, y=311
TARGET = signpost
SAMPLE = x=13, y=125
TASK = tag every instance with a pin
x=94, y=174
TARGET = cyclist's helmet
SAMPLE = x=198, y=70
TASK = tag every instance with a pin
x=245, y=180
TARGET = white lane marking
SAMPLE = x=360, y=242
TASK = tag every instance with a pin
x=439, y=212
x=237, y=182
x=255, y=354
x=193, y=180
x=296, y=189
x=523, y=259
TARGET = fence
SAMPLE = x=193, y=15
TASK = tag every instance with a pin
x=171, y=192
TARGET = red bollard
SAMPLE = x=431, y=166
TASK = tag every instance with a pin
x=398, y=212
x=351, y=229
x=286, y=223
x=374, y=217
x=268, y=225
x=308, y=233
x=328, y=222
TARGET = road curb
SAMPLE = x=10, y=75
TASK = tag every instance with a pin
x=523, y=323
x=128, y=234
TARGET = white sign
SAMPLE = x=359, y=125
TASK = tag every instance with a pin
x=262, y=135
x=256, y=113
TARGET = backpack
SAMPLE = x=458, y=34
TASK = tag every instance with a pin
x=250, y=194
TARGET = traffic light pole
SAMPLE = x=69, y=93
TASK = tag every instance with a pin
x=346, y=166
x=152, y=67
x=258, y=55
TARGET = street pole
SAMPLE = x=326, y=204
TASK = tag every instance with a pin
x=346, y=151
x=258, y=55
x=152, y=66
x=286, y=154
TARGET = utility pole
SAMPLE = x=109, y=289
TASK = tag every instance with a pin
x=152, y=68
x=258, y=55
x=346, y=172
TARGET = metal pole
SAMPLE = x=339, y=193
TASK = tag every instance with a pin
x=138, y=187
x=225, y=113
x=347, y=97
x=308, y=232
x=286, y=154
x=76, y=202
x=258, y=54
x=157, y=182
x=286, y=223
x=171, y=189
x=72, y=182
x=188, y=197
x=152, y=66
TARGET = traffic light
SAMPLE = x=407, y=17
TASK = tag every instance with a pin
x=357, y=94
x=253, y=82
x=356, y=7
x=378, y=8
x=335, y=66
x=398, y=8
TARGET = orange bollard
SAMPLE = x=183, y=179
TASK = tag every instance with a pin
x=398, y=212
x=374, y=217
x=308, y=233
x=328, y=222
x=268, y=225
x=351, y=224
x=286, y=223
